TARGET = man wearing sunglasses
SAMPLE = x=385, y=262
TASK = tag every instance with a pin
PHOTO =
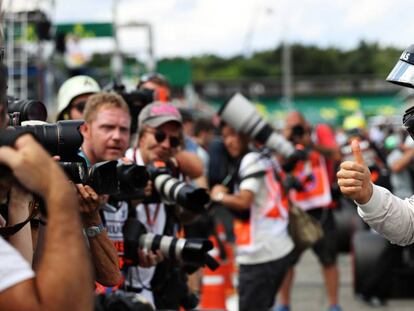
x=72, y=97
x=387, y=214
x=160, y=139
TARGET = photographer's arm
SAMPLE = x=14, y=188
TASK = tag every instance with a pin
x=239, y=201
x=63, y=280
x=103, y=251
x=189, y=163
x=18, y=212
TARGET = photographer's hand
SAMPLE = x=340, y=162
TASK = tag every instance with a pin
x=149, y=258
x=217, y=193
x=354, y=177
x=65, y=259
x=103, y=251
x=31, y=164
x=90, y=203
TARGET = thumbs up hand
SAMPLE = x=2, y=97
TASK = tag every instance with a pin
x=354, y=177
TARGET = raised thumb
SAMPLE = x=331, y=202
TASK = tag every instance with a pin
x=356, y=150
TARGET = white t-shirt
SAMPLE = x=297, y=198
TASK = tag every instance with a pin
x=13, y=267
x=268, y=236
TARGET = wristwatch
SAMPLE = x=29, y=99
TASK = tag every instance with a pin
x=219, y=197
x=94, y=230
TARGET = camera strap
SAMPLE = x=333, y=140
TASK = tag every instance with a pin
x=8, y=231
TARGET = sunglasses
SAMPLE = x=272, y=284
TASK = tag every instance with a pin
x=160, y=136
x=80, y=106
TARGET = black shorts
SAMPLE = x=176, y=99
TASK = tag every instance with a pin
x=326, y=248
x=259, y=283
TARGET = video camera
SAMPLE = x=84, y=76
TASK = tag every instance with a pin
x=188, y=251
x=136, y=100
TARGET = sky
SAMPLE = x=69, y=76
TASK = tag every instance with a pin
x=232, y=27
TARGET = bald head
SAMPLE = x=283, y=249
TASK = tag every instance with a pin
x=295, y=118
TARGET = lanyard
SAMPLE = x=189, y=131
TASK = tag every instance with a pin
x=151, y=221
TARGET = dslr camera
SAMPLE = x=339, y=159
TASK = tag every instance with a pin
x=188, y=251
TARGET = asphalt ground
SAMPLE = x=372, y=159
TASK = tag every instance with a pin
x=309, y=292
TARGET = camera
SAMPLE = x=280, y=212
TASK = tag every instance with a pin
x=21, y=110
x=297, y=133
x=189, y=251
x=101, y=177
x=240, y=114
x=136, y=100
x=122, y=181
x=132, y=181
x=173, y=191
x=121, y=301
x=62, y=138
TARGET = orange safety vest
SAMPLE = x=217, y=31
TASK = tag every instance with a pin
x=274, y=208
x=312, y=174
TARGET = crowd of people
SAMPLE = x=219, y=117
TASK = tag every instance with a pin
x=69, y=247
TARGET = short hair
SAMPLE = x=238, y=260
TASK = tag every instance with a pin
x=203, y=125
x=155, y=78
x=100, y=100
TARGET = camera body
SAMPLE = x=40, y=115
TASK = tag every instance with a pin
x=108, y=177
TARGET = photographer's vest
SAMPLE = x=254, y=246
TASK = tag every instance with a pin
x=263, y=237
x=313, y=176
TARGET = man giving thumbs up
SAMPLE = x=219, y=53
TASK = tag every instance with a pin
x=389, y=215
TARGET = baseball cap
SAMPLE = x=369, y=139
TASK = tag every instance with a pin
x=158, y=113
x=403, y=72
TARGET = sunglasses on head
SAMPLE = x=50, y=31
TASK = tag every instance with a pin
x=160, y=136
x=80, y=106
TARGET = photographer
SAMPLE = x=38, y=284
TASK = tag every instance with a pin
x=72, y=97
x=160, y=139
x=65, y=260
x=264, y=248
x=315, y=198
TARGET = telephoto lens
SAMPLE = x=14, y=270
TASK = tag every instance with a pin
x=62, y=138
x=27, y=109
x=189, y=251
x=241, y=115
x=174, y=191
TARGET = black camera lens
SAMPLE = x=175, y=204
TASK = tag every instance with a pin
x=62, y=139
x=28, y=109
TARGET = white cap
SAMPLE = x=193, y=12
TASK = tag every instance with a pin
x=72, y=88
